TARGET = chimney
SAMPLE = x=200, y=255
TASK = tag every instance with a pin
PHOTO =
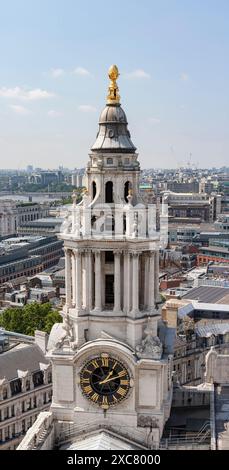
x=41, y=339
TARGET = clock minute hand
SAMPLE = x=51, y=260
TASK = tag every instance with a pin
x=107, y=378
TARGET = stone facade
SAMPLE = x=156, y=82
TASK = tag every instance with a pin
x=14, y=214
x=23, y=393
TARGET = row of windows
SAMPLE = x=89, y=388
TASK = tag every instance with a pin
x=16, y=385
x=26, y=405
x=46, y=250
x=110, y=161
x=29, y=217
x=31, y=272
x=35, y=263
x=109, y=197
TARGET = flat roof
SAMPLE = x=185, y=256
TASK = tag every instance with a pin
x=207, y=294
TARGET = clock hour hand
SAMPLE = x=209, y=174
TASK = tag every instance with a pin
x=107, y=378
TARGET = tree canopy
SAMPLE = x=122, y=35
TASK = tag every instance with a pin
x=29, y=318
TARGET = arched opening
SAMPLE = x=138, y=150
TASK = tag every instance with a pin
x=93, y=190
x=109, y=192
x=127, y=187
x=124, y=224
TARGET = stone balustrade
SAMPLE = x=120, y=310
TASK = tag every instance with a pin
x=41, y=435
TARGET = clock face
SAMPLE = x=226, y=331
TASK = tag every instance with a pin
x=105, y=381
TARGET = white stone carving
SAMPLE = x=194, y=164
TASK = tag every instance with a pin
x=151, y=346
x=66, y=225
x=67, y=342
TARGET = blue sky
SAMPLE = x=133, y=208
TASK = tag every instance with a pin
x=174, y=82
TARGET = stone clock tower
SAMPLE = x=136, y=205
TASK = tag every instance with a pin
x=110, y=370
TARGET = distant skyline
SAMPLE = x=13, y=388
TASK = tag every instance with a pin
x=174, y=73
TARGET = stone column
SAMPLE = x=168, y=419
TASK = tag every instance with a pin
x=98, y=298
x=146, y=281
x=126, y=292
x=151, y=280
x=73, y=278
x=156, y=277
x=135, y=291
x=84, y=277
x=88, y=255
x=78, y=281
x=68, y=279
x=117, y=282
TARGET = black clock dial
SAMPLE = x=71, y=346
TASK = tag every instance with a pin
x=105, y=381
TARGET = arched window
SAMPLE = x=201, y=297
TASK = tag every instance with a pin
x=109, y=192
x=127, y=187
x=93, y=190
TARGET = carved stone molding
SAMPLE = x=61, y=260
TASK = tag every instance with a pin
x=147, y=421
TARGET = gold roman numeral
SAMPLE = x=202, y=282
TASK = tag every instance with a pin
x=114, y=398
x=121, y=391
x=95, y=364
x=115, y=364
x=122, y=373
x=85, y=381
x=95, y=397
x=105, y=361
x=105, y=401
x=124, y=382
x=88, y=389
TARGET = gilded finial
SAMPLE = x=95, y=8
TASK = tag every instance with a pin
x=113, y=95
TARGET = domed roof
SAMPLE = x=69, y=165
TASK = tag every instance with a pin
x=112, y=114
x=113, y=135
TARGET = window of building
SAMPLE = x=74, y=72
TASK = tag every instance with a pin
x=93, y=190
x=15, y=386
x=29, y=404
x=6, y=413
x=23, y=426
x=27, y=385
x=110, y=161
x=127, y=187
x=109, y=192
x=49, y=377
x=109, y=257
x=38, y=378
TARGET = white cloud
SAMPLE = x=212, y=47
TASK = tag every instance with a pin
x=55, y=73
x=184, y=77
x=27, y=95
x=139, y=73
x=87, y=108
x=53, y=113
x=20, y=110
x=81, y=71
x=154, y=120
